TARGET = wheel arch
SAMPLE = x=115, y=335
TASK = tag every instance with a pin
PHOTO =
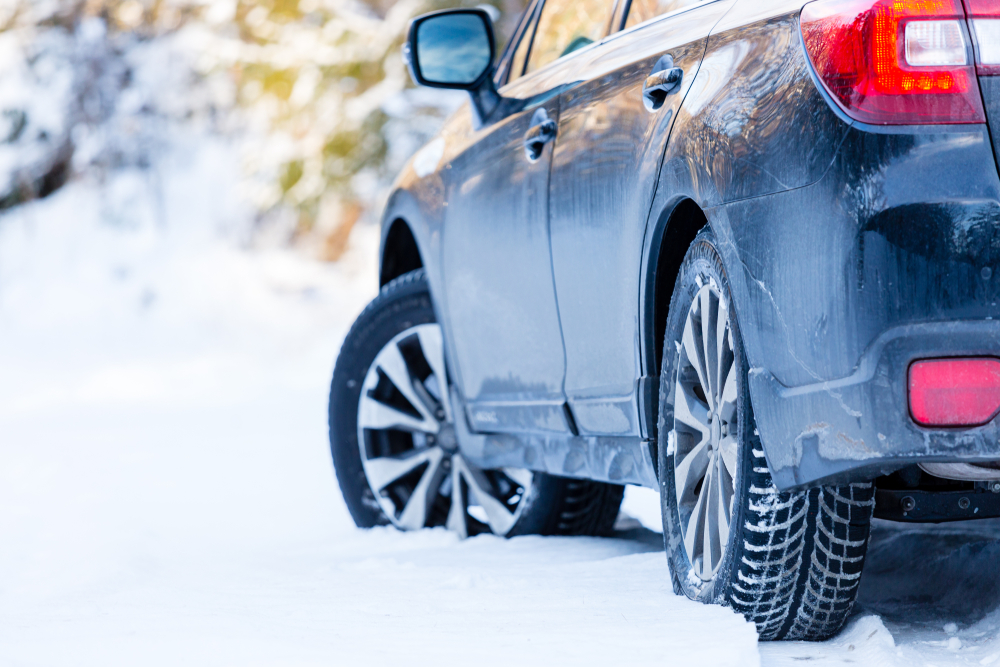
x=400, y=253
x=675, y=229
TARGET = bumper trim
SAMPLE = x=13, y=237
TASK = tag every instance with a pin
x=911, y=505
x=858, y=427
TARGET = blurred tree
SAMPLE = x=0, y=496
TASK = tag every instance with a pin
x=327, y=78
x=329, y=112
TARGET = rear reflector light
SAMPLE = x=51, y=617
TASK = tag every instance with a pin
x=934, y=44
x=894, y=62
x=988, y=41
x=954, y=392
x=982, y=18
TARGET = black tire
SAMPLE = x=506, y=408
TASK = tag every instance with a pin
x=552, y=506
x=404, y=302
x=569, y=507
x=793, y=560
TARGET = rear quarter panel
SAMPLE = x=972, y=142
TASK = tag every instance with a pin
x=835, y=235
x=752, y=124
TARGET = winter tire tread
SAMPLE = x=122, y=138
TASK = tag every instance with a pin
x=795, y=557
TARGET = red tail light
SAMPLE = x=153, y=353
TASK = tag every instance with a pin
x=894, y=62
x=954, y=392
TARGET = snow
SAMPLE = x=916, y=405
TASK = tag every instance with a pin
x=930, y=595
x=166, y=491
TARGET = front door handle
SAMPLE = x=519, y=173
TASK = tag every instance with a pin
x=664, y=80
x=543, y=130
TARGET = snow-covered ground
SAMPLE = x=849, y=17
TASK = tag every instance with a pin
x=166, y=493
x=167, y=497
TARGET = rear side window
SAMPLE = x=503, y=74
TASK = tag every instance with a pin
x=568, y=25
x=643, y=10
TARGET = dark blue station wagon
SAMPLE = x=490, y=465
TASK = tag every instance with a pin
x=739, y=251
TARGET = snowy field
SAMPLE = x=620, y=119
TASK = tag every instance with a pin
x=167, y=497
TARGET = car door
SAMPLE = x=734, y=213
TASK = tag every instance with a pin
x=500, y=292
x=613, y=128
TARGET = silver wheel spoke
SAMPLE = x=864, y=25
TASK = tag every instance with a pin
x=456, y=515
x=726, y=496
x=691, y=468
x=385, y=470
x=500, y=518
x=522, y=476
x=373, y=414
x=727, y=402
x=721, y=512
x=433, y=349
x=693, y=536
x=709, y=534
x=414, y=514
x=391, y=361
x=722, y=361
x=689, y=411
x=693, y=350
x=709, y=313
x=727, y=452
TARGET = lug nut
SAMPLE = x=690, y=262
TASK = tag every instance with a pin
x=907, y=503
x=439, y=414
x=964, y=503
x=431, y=440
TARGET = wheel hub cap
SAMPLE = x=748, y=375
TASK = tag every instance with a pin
x=447, y=440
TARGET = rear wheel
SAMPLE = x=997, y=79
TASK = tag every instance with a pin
x=788, y=561
x=394, y=445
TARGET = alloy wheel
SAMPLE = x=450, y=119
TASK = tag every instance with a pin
x=409, y=450
x=704, y=430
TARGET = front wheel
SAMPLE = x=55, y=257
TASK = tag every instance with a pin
x=788, y=561
x=394, y=445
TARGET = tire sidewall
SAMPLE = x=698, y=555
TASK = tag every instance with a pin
x=701, y=262
x=403, y=303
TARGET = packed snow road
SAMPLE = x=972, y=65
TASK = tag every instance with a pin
x=166, y=495
x=216, y=536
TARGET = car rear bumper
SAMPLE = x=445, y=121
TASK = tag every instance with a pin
x=859, y=426
x=892, y=255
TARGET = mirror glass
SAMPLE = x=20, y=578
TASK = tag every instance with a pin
x=453, y=48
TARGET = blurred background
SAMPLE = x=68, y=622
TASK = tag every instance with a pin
x=194, y=177
x=310, y=98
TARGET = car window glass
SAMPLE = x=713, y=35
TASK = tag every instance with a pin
x=643, y=10
x=521, y=52
x=568, y=25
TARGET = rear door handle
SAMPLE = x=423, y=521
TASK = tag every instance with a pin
x=543, y=130
x=664, y=80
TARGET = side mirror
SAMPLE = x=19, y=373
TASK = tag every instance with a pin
x=455, y=49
